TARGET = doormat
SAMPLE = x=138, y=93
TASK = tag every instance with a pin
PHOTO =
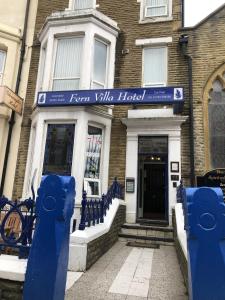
x=142, y=245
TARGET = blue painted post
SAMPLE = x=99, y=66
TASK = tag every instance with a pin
x=83, y=211
x=45, y=277
x=205, y=217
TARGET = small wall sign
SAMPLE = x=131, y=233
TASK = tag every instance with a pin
x=174, y=166
x=130, y=185
x=175, y=177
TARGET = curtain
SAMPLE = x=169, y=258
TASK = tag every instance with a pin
x=68, y=64
x=155, y=66
x=99, y=70
x=83, y=4
x=156, y=8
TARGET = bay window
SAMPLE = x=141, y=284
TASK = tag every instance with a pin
x=68, y=63
x=155, y=66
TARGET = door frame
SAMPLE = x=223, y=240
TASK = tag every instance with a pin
x=140, y=194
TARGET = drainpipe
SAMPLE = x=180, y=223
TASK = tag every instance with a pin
x=183, y=41
x=12, y=118
x=182, y=13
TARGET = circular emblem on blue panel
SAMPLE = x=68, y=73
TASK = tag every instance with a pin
x=49, y=203
x=207, y=221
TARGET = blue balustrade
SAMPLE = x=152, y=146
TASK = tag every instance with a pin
x=17, y=221
x=204, y=211
x=94, y=210
x=48, y=259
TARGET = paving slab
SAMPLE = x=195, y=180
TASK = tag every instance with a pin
x=130, y=273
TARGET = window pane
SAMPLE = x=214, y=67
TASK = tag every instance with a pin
x=155, y=66
x=2, y=60
x=156, y=8
x=152, y=145
x=217, y=128
x=59, y=149
x=94, y=146
x=100, y=57
x=82, y=4
x=68, y=60
x=68, y=84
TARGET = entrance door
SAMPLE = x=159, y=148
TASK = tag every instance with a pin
x=153, y=178
x=154, y=191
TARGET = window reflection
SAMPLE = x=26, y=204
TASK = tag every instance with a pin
x=93, y=153
x=59, y=149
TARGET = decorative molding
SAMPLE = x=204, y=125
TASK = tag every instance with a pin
x=154, y=41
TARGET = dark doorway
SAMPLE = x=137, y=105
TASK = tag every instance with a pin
x=153, y=179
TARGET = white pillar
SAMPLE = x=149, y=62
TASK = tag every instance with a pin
x=174, y=155
x=131, y=171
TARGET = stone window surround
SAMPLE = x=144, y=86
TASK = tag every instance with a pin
x=90, y=28
x=81, y=117
x=144, y=19
x=150, y=122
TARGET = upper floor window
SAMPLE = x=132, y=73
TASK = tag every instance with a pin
x=99, y=65
x=2, y=64
x=84, y=4
x=68, y=61
x=156, y=8
x=155, y=66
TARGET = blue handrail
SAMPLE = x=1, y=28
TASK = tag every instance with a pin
x=94, y=210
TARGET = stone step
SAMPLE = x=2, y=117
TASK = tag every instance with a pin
x=146, y=239
x=148, y=231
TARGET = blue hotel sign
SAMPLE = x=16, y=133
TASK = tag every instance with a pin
x=161, y=95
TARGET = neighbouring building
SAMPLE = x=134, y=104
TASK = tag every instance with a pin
x=89, y=53
x=16, y=36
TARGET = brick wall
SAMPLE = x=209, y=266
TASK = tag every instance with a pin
x=11, y=290
x=128, y=73
x=99, y=246
x=207, y=47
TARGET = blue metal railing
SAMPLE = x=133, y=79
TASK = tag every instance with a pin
x=16, y=225
x=94, y=210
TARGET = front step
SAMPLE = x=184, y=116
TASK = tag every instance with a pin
x=147, y=234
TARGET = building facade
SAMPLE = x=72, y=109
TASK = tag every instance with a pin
x=80, y=46
x=13, y=89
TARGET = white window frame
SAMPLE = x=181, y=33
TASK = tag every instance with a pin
x=54, y=59
x=102, y=127
x=3, y=66
x=157, y=18
x=156, y=6
x=107, y=64
x=156, y=84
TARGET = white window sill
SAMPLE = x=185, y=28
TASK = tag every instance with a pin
x=155, y=20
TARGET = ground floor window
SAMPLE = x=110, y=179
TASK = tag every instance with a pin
x=59, y=149
x=93, y=161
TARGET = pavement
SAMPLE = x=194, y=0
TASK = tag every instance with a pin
x=131, y=273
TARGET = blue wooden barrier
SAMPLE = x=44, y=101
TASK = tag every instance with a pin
x=48, y=260
x=205, y=225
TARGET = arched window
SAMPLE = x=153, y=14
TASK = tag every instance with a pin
x=216, y=124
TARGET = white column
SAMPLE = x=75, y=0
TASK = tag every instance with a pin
x=174, y=155
x=131, y=171
x=79, y=154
